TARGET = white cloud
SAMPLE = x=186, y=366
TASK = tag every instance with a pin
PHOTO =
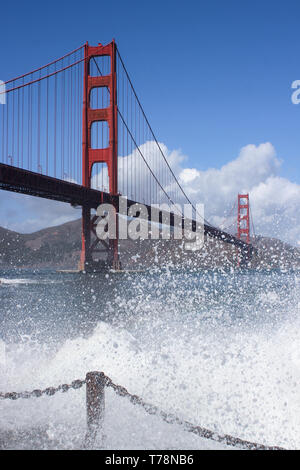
x=275, y=200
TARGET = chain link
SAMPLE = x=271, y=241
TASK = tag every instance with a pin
x=150, y=409
x=50, y=391
x=187, y=426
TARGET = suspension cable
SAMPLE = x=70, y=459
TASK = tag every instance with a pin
x=43, y=67
x=43, y=78
x=156, y=141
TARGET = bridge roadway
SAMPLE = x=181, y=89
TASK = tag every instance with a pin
x=35, y=184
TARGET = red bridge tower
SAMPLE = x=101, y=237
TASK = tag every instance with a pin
x=90, y=156
x=243, y=220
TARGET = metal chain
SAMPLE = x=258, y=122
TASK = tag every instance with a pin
x=47, y=391
x=150, y=409
x=189, y=427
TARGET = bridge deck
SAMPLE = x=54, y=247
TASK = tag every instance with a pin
x=35, y=184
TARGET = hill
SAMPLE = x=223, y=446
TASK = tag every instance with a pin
x=59, y=247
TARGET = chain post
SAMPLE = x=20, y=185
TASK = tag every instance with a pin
x=95, y=404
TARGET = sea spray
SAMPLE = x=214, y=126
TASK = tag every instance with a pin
x=217, y=349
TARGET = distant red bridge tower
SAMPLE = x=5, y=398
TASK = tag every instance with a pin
x=243, y=220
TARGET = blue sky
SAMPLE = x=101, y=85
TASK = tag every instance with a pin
x=213, y=76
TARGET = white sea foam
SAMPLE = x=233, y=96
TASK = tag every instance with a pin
x=239, y=379
x=17, y=281
x=244, y=384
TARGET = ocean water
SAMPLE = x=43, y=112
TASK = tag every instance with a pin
x=219, y=349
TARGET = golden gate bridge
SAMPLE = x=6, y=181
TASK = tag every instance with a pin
x=74, y=131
